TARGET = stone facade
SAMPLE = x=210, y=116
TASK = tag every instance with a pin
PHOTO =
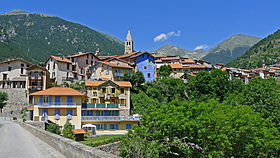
x=16, y=100
x=128, y=44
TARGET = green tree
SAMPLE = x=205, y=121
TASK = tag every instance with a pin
x=3, y=99
x=54, y=128
x=136, y=79
x=165, y=71
x=68, y=131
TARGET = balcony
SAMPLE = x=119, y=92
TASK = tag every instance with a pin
x=59, y=105
x=35, y=87
x=100, y=105
x=110, y=118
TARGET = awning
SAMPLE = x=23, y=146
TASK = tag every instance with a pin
x=88, y=125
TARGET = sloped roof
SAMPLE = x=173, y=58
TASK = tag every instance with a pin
x=138, y=54
x=79, y=131
x=127, y=55
x=114, y=65
x=176, y=65
x=188, y=61
x=59, y=91
x=197, y=66
x=37, y=66
x=170, y=58
x=82, y=54
x=98, y=83
x=16, y=59
x=115, y=58
x=59, y=59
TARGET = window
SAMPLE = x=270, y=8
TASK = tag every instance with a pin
x=103, y=90
x=45, y=99
x=86, y=61
x=53, y=66
x=21, y=70
x=69, y=112
x=70, y=100
x=53, y=74
x=149, y=75
x=114, y=126
x=91, y=63
x=122, y=101
x=68, y=66
x=57, y=112
x=48, y=67
x=9, y=68
x=82, y=70
x=100, y=126
x=128, y=126
x=113, y=90
x=145, y=67
x=57, y=100
x=122, y=90
x=87, y=55
x=74, y=67
x=91, y=58
x=28, y=65
x=111, y=113
x=22, y=65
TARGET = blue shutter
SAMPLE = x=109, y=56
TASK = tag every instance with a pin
x=128, y=126
x=69, y=111
x=41, y=100
x=116, y=113
x=117, y=126
x=106, y=113
x=84, y=113
x=57, y=111
x=111, y=126
x=90, y=113
x=50, y=100
x=105, y=127
x=58, y=100
x=97, y=113
x=69, y=100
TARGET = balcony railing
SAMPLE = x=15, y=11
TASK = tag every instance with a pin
x=100, y=105
x=54, y=104
x=110, y=118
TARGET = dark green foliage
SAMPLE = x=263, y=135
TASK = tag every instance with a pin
x=136, y=79
x=54, y=128
x=101, y=140
x=165, y=71
x=206, y=85
x=263, y=95
x=3, y=99
x=266, y=51
x=38, y=36
x=174, y=129
x=68, y=131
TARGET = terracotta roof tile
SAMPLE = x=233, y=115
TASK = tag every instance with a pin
x=59, y=91
x=116, y=58
x=176, y=65
x=61, y=59
x=188, y=61
x=127, y=55
x=115, y=65
x=79, y=131
x=275, y=68
x=98, y=83
x=197, y=66
x=77, y=55
x=170, y=58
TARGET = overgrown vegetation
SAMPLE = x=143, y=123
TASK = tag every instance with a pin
x=3, y=99
x=209, y=116
x=101, y=140
x=53, y=128
x=68, y=130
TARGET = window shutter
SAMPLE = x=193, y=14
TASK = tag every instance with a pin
x=50, y=100
x=41, y=100
x=106, y=113
x=91, y=113
x=111, y=126
x=117, y=126
x=116, y=113
x=97, y=113
x=105, y=127
x=125, y=91
x=84, y=112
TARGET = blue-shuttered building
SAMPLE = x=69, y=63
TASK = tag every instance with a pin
x=145, y=62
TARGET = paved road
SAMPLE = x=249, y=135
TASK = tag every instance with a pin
x=16, y=142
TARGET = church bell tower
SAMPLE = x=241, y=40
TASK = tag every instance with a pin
x=128, y=44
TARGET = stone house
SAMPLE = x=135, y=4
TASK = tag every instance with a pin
x=60, y=69
x=81, y=64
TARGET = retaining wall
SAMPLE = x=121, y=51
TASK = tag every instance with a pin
x=68, y=147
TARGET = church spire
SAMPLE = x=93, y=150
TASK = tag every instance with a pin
x=128, y=43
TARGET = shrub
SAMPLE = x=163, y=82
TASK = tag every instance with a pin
x=68, y=131
x=14, y=118
x=54, y=128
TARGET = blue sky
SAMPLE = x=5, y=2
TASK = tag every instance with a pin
x=183, y=23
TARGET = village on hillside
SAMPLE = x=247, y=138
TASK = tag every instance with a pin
x=104, y=106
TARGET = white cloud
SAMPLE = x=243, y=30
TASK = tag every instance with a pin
x=163, y=36
x=204, y=46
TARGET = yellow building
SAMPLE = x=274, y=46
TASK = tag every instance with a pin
x=178, y=70
x=108, y=106
x=111, y=71
x=58, y=104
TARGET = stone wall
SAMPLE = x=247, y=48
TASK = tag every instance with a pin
x=40, y=125
x=67, y=147
x=112, y=148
